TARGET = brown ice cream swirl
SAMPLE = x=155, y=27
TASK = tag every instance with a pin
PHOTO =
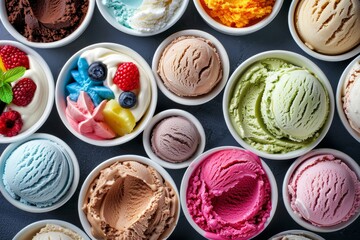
x=190, y=66
x=129, y=200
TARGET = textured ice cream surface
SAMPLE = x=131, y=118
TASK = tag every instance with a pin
x=238, y=14
x=190, y=66
x=328, y=26
x=278, y=107
x=292, y=237
x=324, y=191
x=175, y=139
x=38, y=173
x=46, y=21
x=351, y=97
x=229, y=195
x=130, y=200
x=56, y=232
x=143, y=16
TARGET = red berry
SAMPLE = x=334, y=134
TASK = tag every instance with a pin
x=12, y=57
x=10, y=123
x=127, y=76
x=23, y=92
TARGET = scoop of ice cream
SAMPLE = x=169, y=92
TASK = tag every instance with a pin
x=143, y=16
x=229, y=195
x=130, y=200
x=291, y=237
x=351, y=99
x=190, y=66
x=38, y=173
x=56, y=232
x=324, y=191
x=46, y=21
x=295, y=105
x=238, y=14
x=278, y=107
x=175, y=139
x=328, y=26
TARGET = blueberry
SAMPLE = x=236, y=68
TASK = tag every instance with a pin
x=2, y=106
x=127, y=99
x=97, y=71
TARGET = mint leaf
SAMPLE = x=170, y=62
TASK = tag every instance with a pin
x=13, y=74
x=6, y=94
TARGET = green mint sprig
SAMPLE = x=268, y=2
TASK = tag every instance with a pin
x=6, y=78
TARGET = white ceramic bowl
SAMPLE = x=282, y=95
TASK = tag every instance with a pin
x=193, y=166
x=237, y=31
x=96, y=171
x=48, y=85
x=109, y=17
x=70, y=38
x=170, y=113
x=301, y=44
x=295, y=59
x=73, y=165
x=304, y=233
x=191, y=101
x=30, y=230
x=64, y=78
x=351, y=163
x=340, y=93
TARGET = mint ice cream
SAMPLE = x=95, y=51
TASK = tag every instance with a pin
x=38, y=172
x=278, y=107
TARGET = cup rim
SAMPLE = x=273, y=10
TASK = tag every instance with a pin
x=60, y=98
x=198, y=100
x=340, y=95
x=349, y=161
x=312, y=235
x=62, y=42
x=193, y=166
x=121, y=158
x=170, y=113
x=42, y=223
x=324, y=57
x=72, y=162
x=50, y=88
x=293, y=58
x=238, y=31
x=111, y=20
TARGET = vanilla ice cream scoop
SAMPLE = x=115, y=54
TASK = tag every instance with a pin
x=328, y=26
x=351, y=97
x=56, y=232
x=190, y=66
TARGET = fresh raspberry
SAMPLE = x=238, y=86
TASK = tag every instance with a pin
x=127, y=76
x=10, y=123
x=23, y=92
x=12, y=57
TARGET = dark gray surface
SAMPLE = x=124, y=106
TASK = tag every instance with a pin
x=274, y=36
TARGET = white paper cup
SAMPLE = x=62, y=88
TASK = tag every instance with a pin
x=73, y=168
x=297, y=60
x=95, y=173
x=351, y=163
x=193, y=166
x=166, y=114
x=302, y=233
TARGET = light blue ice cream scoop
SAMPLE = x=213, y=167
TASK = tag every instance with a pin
x=38, y=172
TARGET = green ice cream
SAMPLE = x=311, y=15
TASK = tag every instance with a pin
x=278, y=107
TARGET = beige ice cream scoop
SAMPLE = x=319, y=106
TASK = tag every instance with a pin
x=130, y=200
x=329, y=26
x=190, y=66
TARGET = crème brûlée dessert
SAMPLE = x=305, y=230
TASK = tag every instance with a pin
x=23, y=91
x=109, y=92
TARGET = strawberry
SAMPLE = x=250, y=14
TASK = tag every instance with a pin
x=10, y=123
x=127, y=76
x=23, y=92
x=11, y=57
